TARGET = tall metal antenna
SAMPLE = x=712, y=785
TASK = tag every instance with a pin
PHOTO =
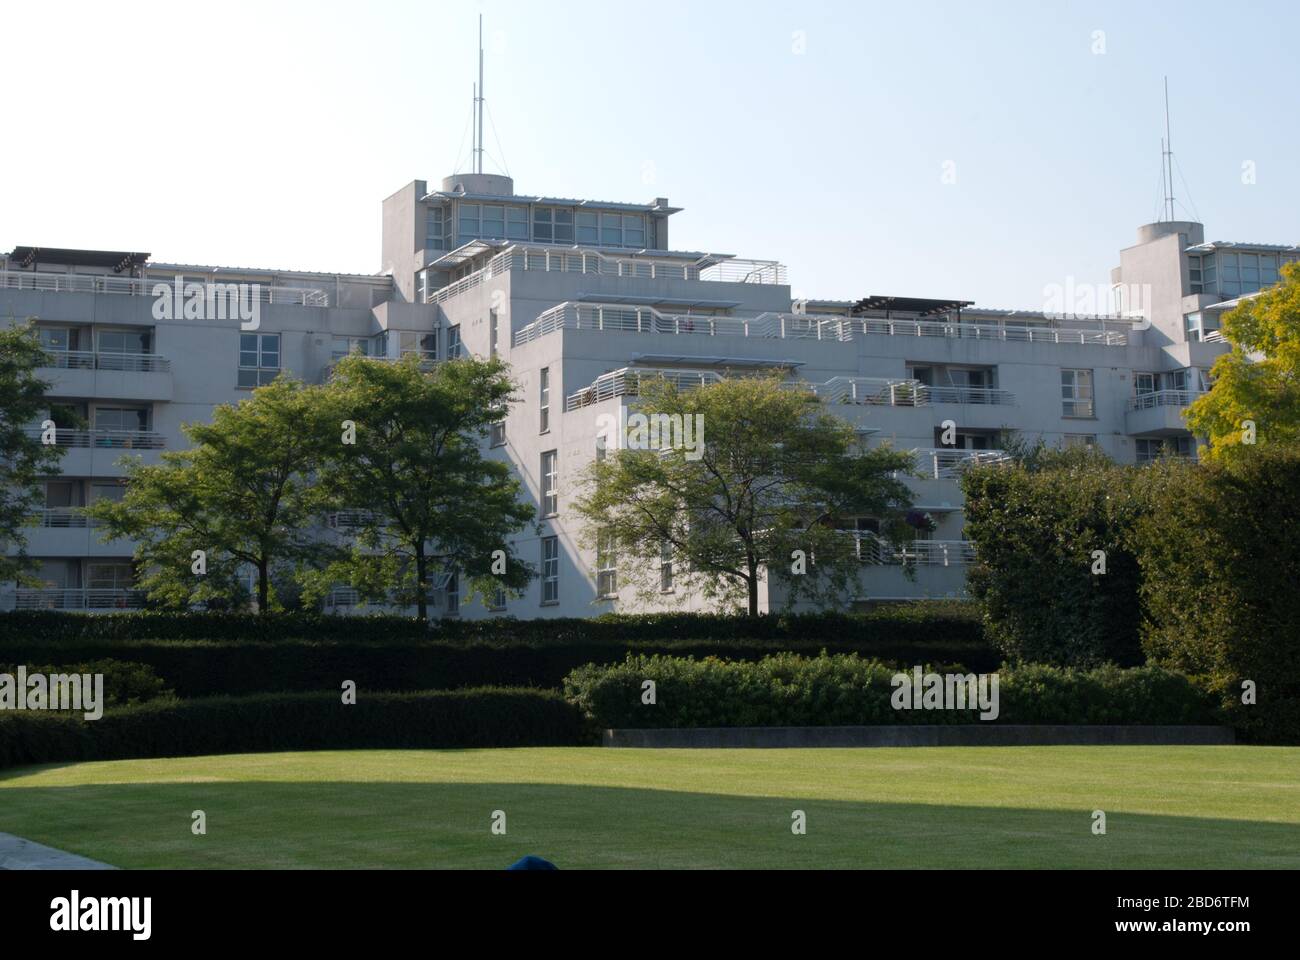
x=1167, y=150
x=478, y=104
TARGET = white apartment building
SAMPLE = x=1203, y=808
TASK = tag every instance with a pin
x=584, y=299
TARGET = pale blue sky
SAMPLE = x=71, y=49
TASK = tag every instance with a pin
x=266, y=134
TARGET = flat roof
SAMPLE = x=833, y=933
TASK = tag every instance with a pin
x=1213, y=245
x=118, y=260
x=549, y=201
x=653, y=301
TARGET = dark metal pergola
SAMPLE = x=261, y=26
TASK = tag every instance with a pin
x=117, y=260
x=920, y=306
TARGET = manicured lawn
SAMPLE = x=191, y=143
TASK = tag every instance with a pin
x=1202, y=807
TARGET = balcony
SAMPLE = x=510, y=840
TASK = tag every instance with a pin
x=108, y=376
x=591, y=262
x=144, y=286
x=61, y=518
x=627, y=383
x=948, y=464
x=873, y=550
x=105, y=439
x=873, y=391
x=619, y=318
x=1159, y=413
x=77, y=598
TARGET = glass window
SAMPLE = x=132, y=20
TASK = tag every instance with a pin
x=550, y=569
x=588, y=228
x=665, y=566
x=544, y=399
x=611, y=230
x=634, y=231
x=517, y=223
x=543, y=227
x=550, y=480
x=121, y=418
x=412, y=341
x=606, y=566
x=1076, y=393
x=259, y=358
x=1144, y=383
x=453, y=342
x=494, y=222
x=563, y=226
x=497, y=434
x=1080, y=440
x=125, y=341
x=493, y=333
x=58, y=338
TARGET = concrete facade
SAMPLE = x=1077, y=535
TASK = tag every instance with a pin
x=578, y=296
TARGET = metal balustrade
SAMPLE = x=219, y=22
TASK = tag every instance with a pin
x=91, y=360
x=110, y=439
x=61, y=518
x=628, y=380
x=948, y=464
x=1163, y=398
x=592, y=262
x=77, y=598
x=875, y=550
x=49, y=282
x=621, y=318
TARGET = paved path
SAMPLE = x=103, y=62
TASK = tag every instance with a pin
x=19, y=854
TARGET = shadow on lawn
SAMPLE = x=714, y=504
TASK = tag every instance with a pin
x=409, y=825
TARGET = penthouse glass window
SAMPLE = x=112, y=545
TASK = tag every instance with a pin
x=259, y=358
x=606, y=566
x=435, y=222
x=553, y=224
x=412, y=341
x=1076, y=393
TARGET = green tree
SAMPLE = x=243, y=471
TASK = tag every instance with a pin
x=1055, y=567
x=768, y=472
x=243, y=493
x=1259, y=379
x=427, y=501
x=24, y=459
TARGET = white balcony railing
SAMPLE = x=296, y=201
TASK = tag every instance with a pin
x=627, y=382
x=61, y=518
x=594, y=262
x=1163, y=398
x=872, y=549
x=106, y=439
x=620, y=318
x=49, y=282
x=90, y=360
x=948, y=464
x=77, y=599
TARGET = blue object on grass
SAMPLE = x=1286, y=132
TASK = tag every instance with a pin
x=532, y=863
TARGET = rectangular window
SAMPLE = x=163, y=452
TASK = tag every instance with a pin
x=453, y=342
x=516, y=223
x=550, y=570
x=601, y=450
x=497, y=434
x=1080, y=440
x=550, y=479
x=433, y=229
x=110, y=576
x=259, y=358
x=412, y=341
x=1076, y=393
x=588, y=228
x=634, y=231
x=494, y=222
x=499, y=599
x=665, y=566
x=493, y=333
x=544, y=400
x=606, y=566
x=1144, y=383
x=543, y=224
x=348, y=345
x=125, y=341
x=121, y=418
x=611, y=230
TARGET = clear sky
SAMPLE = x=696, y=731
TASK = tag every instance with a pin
x=815, y=133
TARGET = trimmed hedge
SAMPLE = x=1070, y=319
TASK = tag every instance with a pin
x=124, y=682
x=315, y=721
x=198, y=669
x=948, y=622
x=788, y=690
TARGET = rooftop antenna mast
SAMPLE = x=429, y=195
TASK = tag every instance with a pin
x=1167, y=168
x=478, y=104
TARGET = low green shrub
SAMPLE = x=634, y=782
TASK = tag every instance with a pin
x=790, y=690
x=488, y=717
x=125, y=682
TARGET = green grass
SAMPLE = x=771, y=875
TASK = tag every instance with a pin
x=1190, y=807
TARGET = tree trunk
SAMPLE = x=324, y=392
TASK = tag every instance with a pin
x=263, y=587
x=752, y=583
x=422, y=583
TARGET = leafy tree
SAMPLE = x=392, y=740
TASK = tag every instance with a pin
x=24, y=459
x=426, y=499
x=1219, y=551
x=1037, y=525
x=243, y=494
x=1259, y=380
x=770, y=473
